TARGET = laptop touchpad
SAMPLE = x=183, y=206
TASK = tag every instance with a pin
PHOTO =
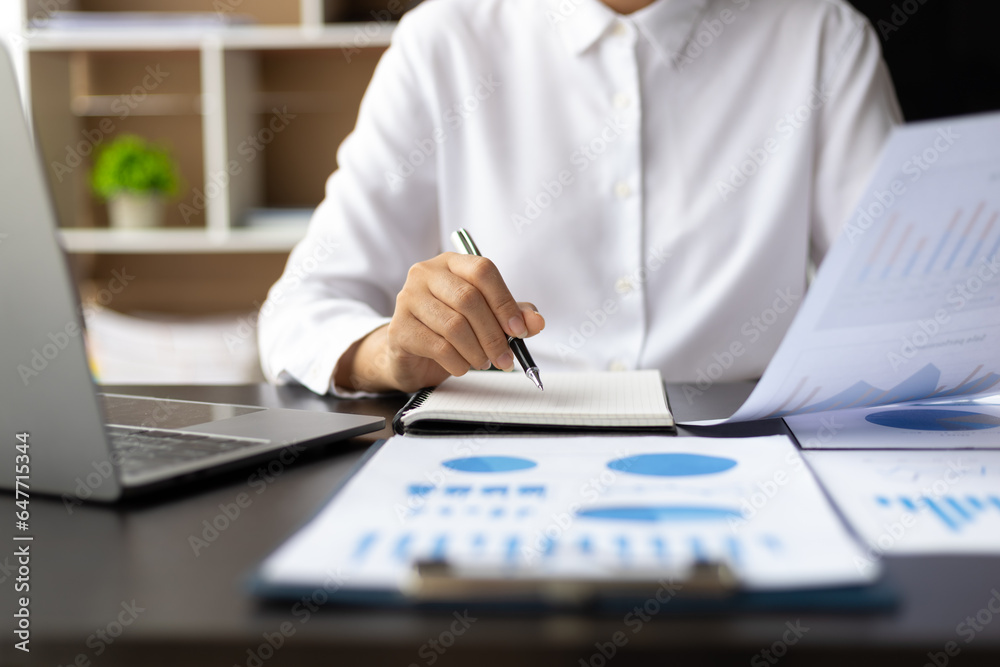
x=163, y=413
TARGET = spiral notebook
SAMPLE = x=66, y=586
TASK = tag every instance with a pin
x=485, y=402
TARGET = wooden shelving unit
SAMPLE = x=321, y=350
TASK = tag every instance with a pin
x=253, y=113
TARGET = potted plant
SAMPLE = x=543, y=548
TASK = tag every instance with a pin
x=135, y=178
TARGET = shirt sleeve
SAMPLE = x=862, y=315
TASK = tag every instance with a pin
x=859, y=111
x=378, y=217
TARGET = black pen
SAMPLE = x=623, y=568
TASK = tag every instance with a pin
x=463, y=243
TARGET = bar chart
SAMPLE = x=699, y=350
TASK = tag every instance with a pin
x=953, y=512
x=917, y=501
x=920, y=258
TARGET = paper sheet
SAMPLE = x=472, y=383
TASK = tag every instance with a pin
x=583, y=507
x=906, y=305
x=923, y=425
x=916, y=502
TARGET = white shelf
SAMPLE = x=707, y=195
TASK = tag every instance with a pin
x=152, y=105
x=171, y=241
x=224, y=93
x=335, y=35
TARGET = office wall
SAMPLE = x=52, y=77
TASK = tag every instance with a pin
x=943, y=54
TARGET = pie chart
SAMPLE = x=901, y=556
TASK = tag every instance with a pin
x=489, y=464
x=661, y=513
x=934, y=420
x=672, y=465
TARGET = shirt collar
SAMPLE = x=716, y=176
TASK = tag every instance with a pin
x=666, y=24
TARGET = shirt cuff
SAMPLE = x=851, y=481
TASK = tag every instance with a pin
x=319, y=376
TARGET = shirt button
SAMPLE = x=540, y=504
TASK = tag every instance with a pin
x=623, y=285
x=622, y=190
x=622, y=100
x=617, y=366
x=619, y=30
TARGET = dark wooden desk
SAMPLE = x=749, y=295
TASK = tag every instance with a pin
x=100, y=566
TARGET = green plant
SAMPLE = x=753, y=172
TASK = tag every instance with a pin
x=131, y=164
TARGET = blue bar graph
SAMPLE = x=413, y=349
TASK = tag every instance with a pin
x=913, y=258
x=952, y=512
x=964, y=237
x=974, y=255
x=402, y=550
x=659, y=547
x=944, y=241
x=364, y=545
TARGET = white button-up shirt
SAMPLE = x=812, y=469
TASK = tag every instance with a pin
x=655, y=183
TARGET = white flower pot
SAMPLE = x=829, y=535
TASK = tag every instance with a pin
x=135, y=211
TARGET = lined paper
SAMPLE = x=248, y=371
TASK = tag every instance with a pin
x=625, y=399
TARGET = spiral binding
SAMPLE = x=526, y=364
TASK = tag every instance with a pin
x=419, y=398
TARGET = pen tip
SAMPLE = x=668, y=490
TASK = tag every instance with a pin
x=532, y=373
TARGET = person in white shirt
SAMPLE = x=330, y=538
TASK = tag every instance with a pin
x=653, y=177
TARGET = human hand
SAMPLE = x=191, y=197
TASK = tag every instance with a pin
x=454, y=313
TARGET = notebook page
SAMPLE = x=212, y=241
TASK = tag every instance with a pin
x=598, y=398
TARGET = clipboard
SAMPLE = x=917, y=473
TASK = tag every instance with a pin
x=706, y=587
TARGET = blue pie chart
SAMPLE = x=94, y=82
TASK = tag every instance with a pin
x=672, y=465
x=662, y=513
x=489, y=464
x=934, y=420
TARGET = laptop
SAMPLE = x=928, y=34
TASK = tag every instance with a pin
x=69, y=439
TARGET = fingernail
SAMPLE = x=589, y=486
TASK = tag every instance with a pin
x=505, y=362
x=516, y=326
x=486, y=366
x=542, y=318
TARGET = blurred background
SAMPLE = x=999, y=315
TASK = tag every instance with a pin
x=187, y=142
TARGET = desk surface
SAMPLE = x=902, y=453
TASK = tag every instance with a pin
x=98, y=566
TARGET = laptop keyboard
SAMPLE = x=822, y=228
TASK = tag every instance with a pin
x=143, y=450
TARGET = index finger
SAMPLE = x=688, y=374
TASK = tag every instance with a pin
x=485, y=277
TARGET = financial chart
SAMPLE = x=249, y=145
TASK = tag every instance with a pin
x=580, y=508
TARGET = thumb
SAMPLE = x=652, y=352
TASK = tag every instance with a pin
x=532, y=319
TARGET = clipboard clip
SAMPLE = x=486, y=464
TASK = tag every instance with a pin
x=439, y=581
